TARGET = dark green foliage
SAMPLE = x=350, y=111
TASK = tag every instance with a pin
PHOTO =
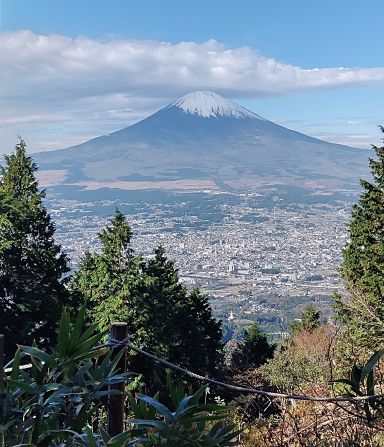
x=162, y=315
x=32, y=266
x=363, y=256
x=362, y=313
x=53, y=401
x=309, y=320
x=361, y=331
x=254, y=351
x=103, y=279
x=57, y=400
x=361, y=382
x=190, y=424
x=115, y=239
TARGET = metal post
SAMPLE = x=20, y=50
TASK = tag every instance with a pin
x=119, y=332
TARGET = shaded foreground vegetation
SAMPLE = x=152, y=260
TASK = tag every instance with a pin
x=63, y=398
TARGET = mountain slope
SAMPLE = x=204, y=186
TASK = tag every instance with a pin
x=203, y=136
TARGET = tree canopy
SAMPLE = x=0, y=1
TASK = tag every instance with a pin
x=32, y=265
x=362, y=312
x=162, y=315
x=309, y=320
x=254, y=350
x=363, y=256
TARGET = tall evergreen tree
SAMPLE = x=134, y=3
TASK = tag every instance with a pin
x=253, y=351
x=363, y=268
x=103, y=279
x=162, y=315
x=32, y=266
x=363, y=256
x=309, y=320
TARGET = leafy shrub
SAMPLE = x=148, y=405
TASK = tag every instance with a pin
x=55, y=402
x=57, y=397
x=190, y=424
x=304, y=364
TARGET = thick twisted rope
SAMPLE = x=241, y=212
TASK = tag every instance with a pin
x=113, y=343
x=300, y=397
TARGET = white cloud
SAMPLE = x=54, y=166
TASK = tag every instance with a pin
x=359, y=140
x=95, y=86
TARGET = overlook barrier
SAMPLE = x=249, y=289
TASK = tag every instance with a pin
x=119, y=338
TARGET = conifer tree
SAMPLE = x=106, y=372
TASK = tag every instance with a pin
x=196, y=341
x=362, y=313
x=103, y=279
x=253, y=351
x=309, y=320
x=363, y=256
x=32, y=266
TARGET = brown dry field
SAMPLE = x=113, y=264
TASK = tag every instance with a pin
x=51, y=177
x=172, y=185
x=57, y=177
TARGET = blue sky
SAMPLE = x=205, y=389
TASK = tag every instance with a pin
x=81, y=68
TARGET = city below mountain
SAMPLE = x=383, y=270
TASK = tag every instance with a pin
x=203, y=141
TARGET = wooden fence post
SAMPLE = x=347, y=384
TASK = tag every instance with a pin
x=119, y=332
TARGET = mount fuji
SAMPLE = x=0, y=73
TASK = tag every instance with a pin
x=203, y=140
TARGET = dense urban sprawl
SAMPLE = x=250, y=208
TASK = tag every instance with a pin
x=255, y=262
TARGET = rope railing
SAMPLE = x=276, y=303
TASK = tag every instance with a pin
x=248, y=390
x=113, y=343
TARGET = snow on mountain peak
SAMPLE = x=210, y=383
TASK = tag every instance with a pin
x=210, y=105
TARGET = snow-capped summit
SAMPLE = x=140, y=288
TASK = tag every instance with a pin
x=211, y=105
x=205, y=137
